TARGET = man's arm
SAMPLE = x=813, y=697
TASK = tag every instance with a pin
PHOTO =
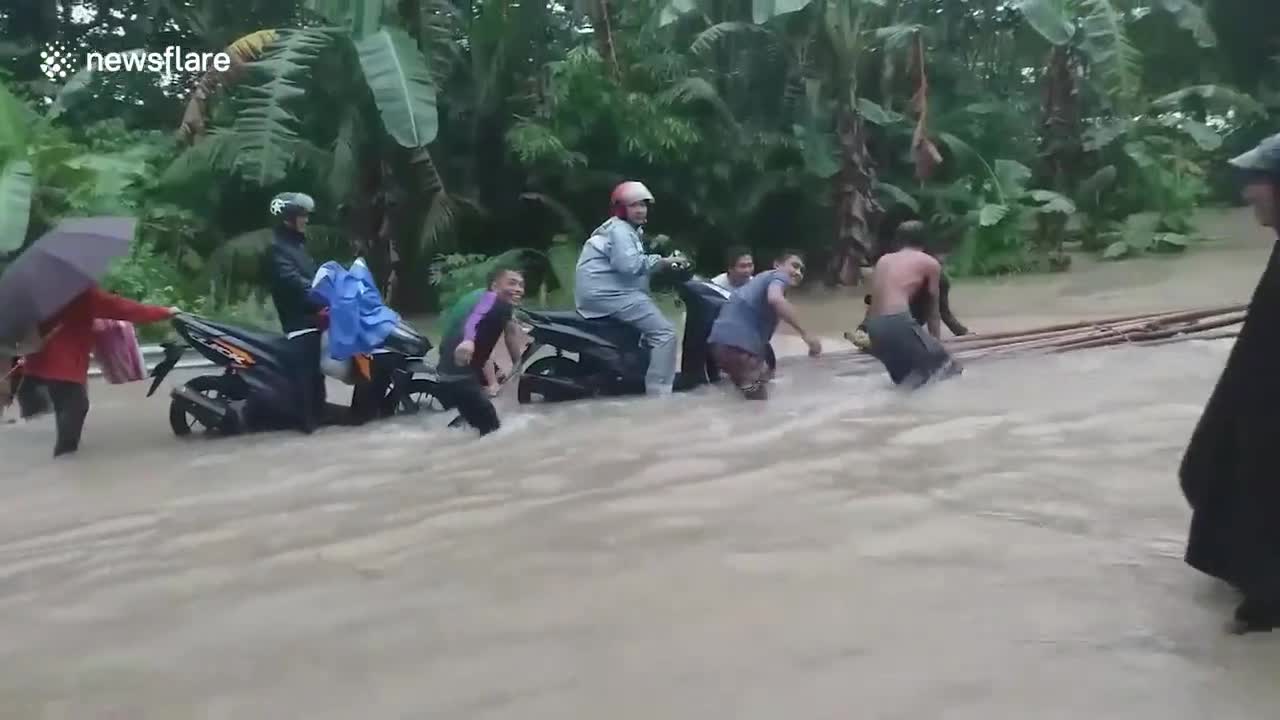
x=787, y=313
x=478, y=311
x=114, y=307
x=933, y=276
x=626, y=255
x=944, y=308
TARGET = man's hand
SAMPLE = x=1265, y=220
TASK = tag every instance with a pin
x=175, y=311
x=815, y=345
x=463, y=353
x=493, y=390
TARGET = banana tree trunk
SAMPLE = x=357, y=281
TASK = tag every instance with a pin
x=368, y=226
x=602, y=32
x=1060, y=139
x=242, y=51
x=857, y=212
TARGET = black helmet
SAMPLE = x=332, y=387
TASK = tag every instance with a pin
x=289, y=205
x=1262, y=160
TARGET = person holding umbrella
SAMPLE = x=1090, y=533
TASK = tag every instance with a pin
x=53, y=288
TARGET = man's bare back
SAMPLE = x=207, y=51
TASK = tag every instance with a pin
x=898, y=276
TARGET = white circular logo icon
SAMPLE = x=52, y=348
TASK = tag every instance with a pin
x=55, y=62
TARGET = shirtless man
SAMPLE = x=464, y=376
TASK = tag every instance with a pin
x=911, y=356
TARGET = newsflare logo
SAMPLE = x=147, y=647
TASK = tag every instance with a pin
x=57, y=63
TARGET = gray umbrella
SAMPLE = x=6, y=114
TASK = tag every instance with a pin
x=59, y=266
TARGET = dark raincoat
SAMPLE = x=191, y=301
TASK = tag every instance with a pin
x=1230, y=473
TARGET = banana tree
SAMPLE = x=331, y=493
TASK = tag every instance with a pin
x=1093, y=33
x=837, y=32
x=45, y=174
x=16, y=180
x=361, y=61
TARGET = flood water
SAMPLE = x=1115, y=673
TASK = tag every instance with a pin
x=1004, y=545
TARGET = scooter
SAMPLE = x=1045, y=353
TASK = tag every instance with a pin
x=258, y=388
x=610, y=360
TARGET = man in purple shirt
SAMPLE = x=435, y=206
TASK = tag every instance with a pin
x=471, y=331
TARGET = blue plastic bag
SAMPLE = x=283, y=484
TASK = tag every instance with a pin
x=359, y=322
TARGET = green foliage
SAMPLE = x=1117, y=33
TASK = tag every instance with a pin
x=439, y=134
x=147, y=276
x=548, y=275
x=401, y=83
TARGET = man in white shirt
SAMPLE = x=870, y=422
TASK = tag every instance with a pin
x=741, y=268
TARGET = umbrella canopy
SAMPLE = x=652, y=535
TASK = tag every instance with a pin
x=59, y=266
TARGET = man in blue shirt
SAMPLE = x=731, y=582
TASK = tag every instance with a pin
x=741, y=334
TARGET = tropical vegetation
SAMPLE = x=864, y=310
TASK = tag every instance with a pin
x=442, y=136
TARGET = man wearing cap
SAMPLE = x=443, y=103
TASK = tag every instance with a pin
x=1230, y=472
x=612, y=280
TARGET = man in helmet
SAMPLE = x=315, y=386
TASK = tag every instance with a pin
x=1230, y=472
x=290, y=268
x=612, y=280
x=291, y=271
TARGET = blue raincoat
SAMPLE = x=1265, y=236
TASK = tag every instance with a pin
x=359, y=322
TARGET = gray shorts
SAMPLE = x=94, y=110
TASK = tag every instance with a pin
x=912, y=356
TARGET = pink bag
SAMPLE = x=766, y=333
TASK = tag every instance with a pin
x=115, y=345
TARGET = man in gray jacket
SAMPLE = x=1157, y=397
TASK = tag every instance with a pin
x=612, y=280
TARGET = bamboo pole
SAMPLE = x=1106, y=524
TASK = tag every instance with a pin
x=1131, y=329
x=1099, y=322
x=1160, y=334
x=1085, y=327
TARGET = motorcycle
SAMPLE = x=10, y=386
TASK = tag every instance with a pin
x=611, y=361
x=258, y=388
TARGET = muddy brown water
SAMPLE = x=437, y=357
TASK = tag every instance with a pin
x=1006, y=545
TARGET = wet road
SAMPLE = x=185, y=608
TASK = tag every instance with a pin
x=1007, y=545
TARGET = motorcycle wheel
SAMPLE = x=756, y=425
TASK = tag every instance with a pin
x=215, y=387
x=420, y=395
x=554, y=366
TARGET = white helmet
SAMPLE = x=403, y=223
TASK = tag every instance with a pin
x=630, y=192
x=290, y=204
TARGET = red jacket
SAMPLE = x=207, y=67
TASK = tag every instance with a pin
x=65, y=355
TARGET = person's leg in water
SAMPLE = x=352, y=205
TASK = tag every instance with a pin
x=749, y=373
x=70, y=407
x=908, y=352
x=33, y=396
x=309, y=380
x=659, y=335
x=472, y=402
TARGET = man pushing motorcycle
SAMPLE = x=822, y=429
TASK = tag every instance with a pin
x=612, y=280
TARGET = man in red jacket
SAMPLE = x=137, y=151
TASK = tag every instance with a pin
x=61, y=366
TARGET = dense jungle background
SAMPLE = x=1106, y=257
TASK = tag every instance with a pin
x=442, y=136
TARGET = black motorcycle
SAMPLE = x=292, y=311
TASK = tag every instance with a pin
x=259, y=388
x=610, y=360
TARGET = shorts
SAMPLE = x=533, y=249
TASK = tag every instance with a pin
x=912, y=356
x=749, y=372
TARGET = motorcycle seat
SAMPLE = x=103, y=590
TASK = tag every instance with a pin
x=573, y=319
x=607, y=329
x=252, y=337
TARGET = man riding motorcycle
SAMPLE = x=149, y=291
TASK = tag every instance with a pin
x=612, y=280
x=290, y=271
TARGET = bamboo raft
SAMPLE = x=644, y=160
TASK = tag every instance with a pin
x=1146, y=330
